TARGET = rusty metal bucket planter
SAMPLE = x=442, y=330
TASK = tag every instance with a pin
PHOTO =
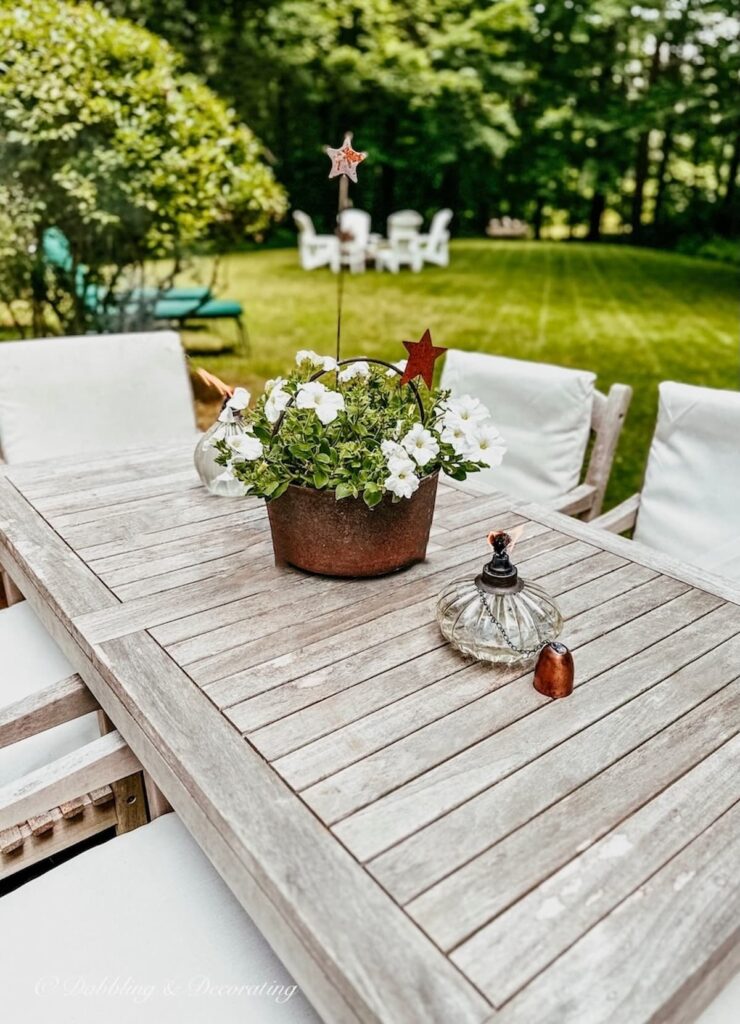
x=311, y=530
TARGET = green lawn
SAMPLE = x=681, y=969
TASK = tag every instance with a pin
x=636, y=316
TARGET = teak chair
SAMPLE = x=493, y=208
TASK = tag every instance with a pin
x=147, y=906
x=547, y=415
x=689, y=507
x=88, y=789
x=101, y=393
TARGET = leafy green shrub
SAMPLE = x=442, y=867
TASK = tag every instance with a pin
x=103, y=137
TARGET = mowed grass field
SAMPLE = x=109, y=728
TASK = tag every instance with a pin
x=630, y=315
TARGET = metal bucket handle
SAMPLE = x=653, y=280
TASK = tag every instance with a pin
x=346, y=362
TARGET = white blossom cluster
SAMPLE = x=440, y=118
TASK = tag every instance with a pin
x=463, y=423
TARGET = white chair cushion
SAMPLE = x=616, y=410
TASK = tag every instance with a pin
x=725, y=1009
x=690, y=505
x=146, y=924
x=543, y=412
x=61, y=396
x=29, y=661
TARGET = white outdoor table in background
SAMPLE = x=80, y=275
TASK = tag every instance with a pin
x=421, y=839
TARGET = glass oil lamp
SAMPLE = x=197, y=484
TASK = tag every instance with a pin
x=498, y=617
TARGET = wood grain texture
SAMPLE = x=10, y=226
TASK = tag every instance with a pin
x=433, y=815
x=43, y=709
x=100, y=762
x=639, y=960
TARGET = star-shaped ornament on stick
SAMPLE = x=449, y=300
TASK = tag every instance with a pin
x=422, y=357
x=345, y=159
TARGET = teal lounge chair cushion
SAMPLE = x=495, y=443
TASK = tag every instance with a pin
x=213, y=309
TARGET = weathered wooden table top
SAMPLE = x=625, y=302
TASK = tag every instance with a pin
x=420, y=838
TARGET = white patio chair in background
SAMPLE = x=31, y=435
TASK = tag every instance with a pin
x=147, y=907
x=403, y=240
x=355, y=227
x=689, y=507
x=434, y=247
x=546, y=415
x=315, y=250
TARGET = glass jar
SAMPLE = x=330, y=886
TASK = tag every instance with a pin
x=498, y=617
x=212, y=475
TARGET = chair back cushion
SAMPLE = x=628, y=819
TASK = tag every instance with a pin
x=543, y=412
x=690, y=506
x=64, y=396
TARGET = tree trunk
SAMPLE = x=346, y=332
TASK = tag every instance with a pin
x=662, y=177
x=598, y=205
x=641, y=169
x=727, y=220
x=642, y=156
x=537, y=219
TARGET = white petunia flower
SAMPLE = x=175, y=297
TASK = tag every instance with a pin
x=235, y=405
x=403, y=481
x=390, y=448
x=468, y=409
x=420, y=444
x=276, y=403
x=486, y=445
x=307, y=356
x=456, y=432
x=277, y=382
x=361, y=369
x=400, y=365
x=315, y=395
x=246, y=447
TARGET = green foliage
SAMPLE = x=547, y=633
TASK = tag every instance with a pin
x=104, y=136
x=551, y=110
x=359, y=448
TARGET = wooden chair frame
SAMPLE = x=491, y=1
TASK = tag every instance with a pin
x=607, y=418
x=43, y=812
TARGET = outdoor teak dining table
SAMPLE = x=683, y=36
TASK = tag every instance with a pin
x=421, y=839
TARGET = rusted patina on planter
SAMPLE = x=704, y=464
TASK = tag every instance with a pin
x=311, y=530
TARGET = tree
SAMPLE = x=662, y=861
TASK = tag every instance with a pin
x=103, y=137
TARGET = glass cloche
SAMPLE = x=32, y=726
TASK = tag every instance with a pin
x=498, y=616
x=228, y=427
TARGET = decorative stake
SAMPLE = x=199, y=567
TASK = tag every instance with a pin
x=422, y=356
x=553, y=675
x=344, y=163
x=345, y=159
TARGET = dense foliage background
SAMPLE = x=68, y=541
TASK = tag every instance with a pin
x=104, y=137
x=581, y=115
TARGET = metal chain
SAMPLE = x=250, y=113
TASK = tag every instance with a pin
x=499, y=625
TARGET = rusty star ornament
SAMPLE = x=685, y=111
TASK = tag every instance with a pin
x=345, y=159
x=422, y=357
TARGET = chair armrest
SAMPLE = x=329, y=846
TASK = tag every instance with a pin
x=104, y=761
x=622, y=517
x=61, y=702
x=578, y=500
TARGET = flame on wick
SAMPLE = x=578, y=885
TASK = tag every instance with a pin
x=215, y=382
x=514, y=534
